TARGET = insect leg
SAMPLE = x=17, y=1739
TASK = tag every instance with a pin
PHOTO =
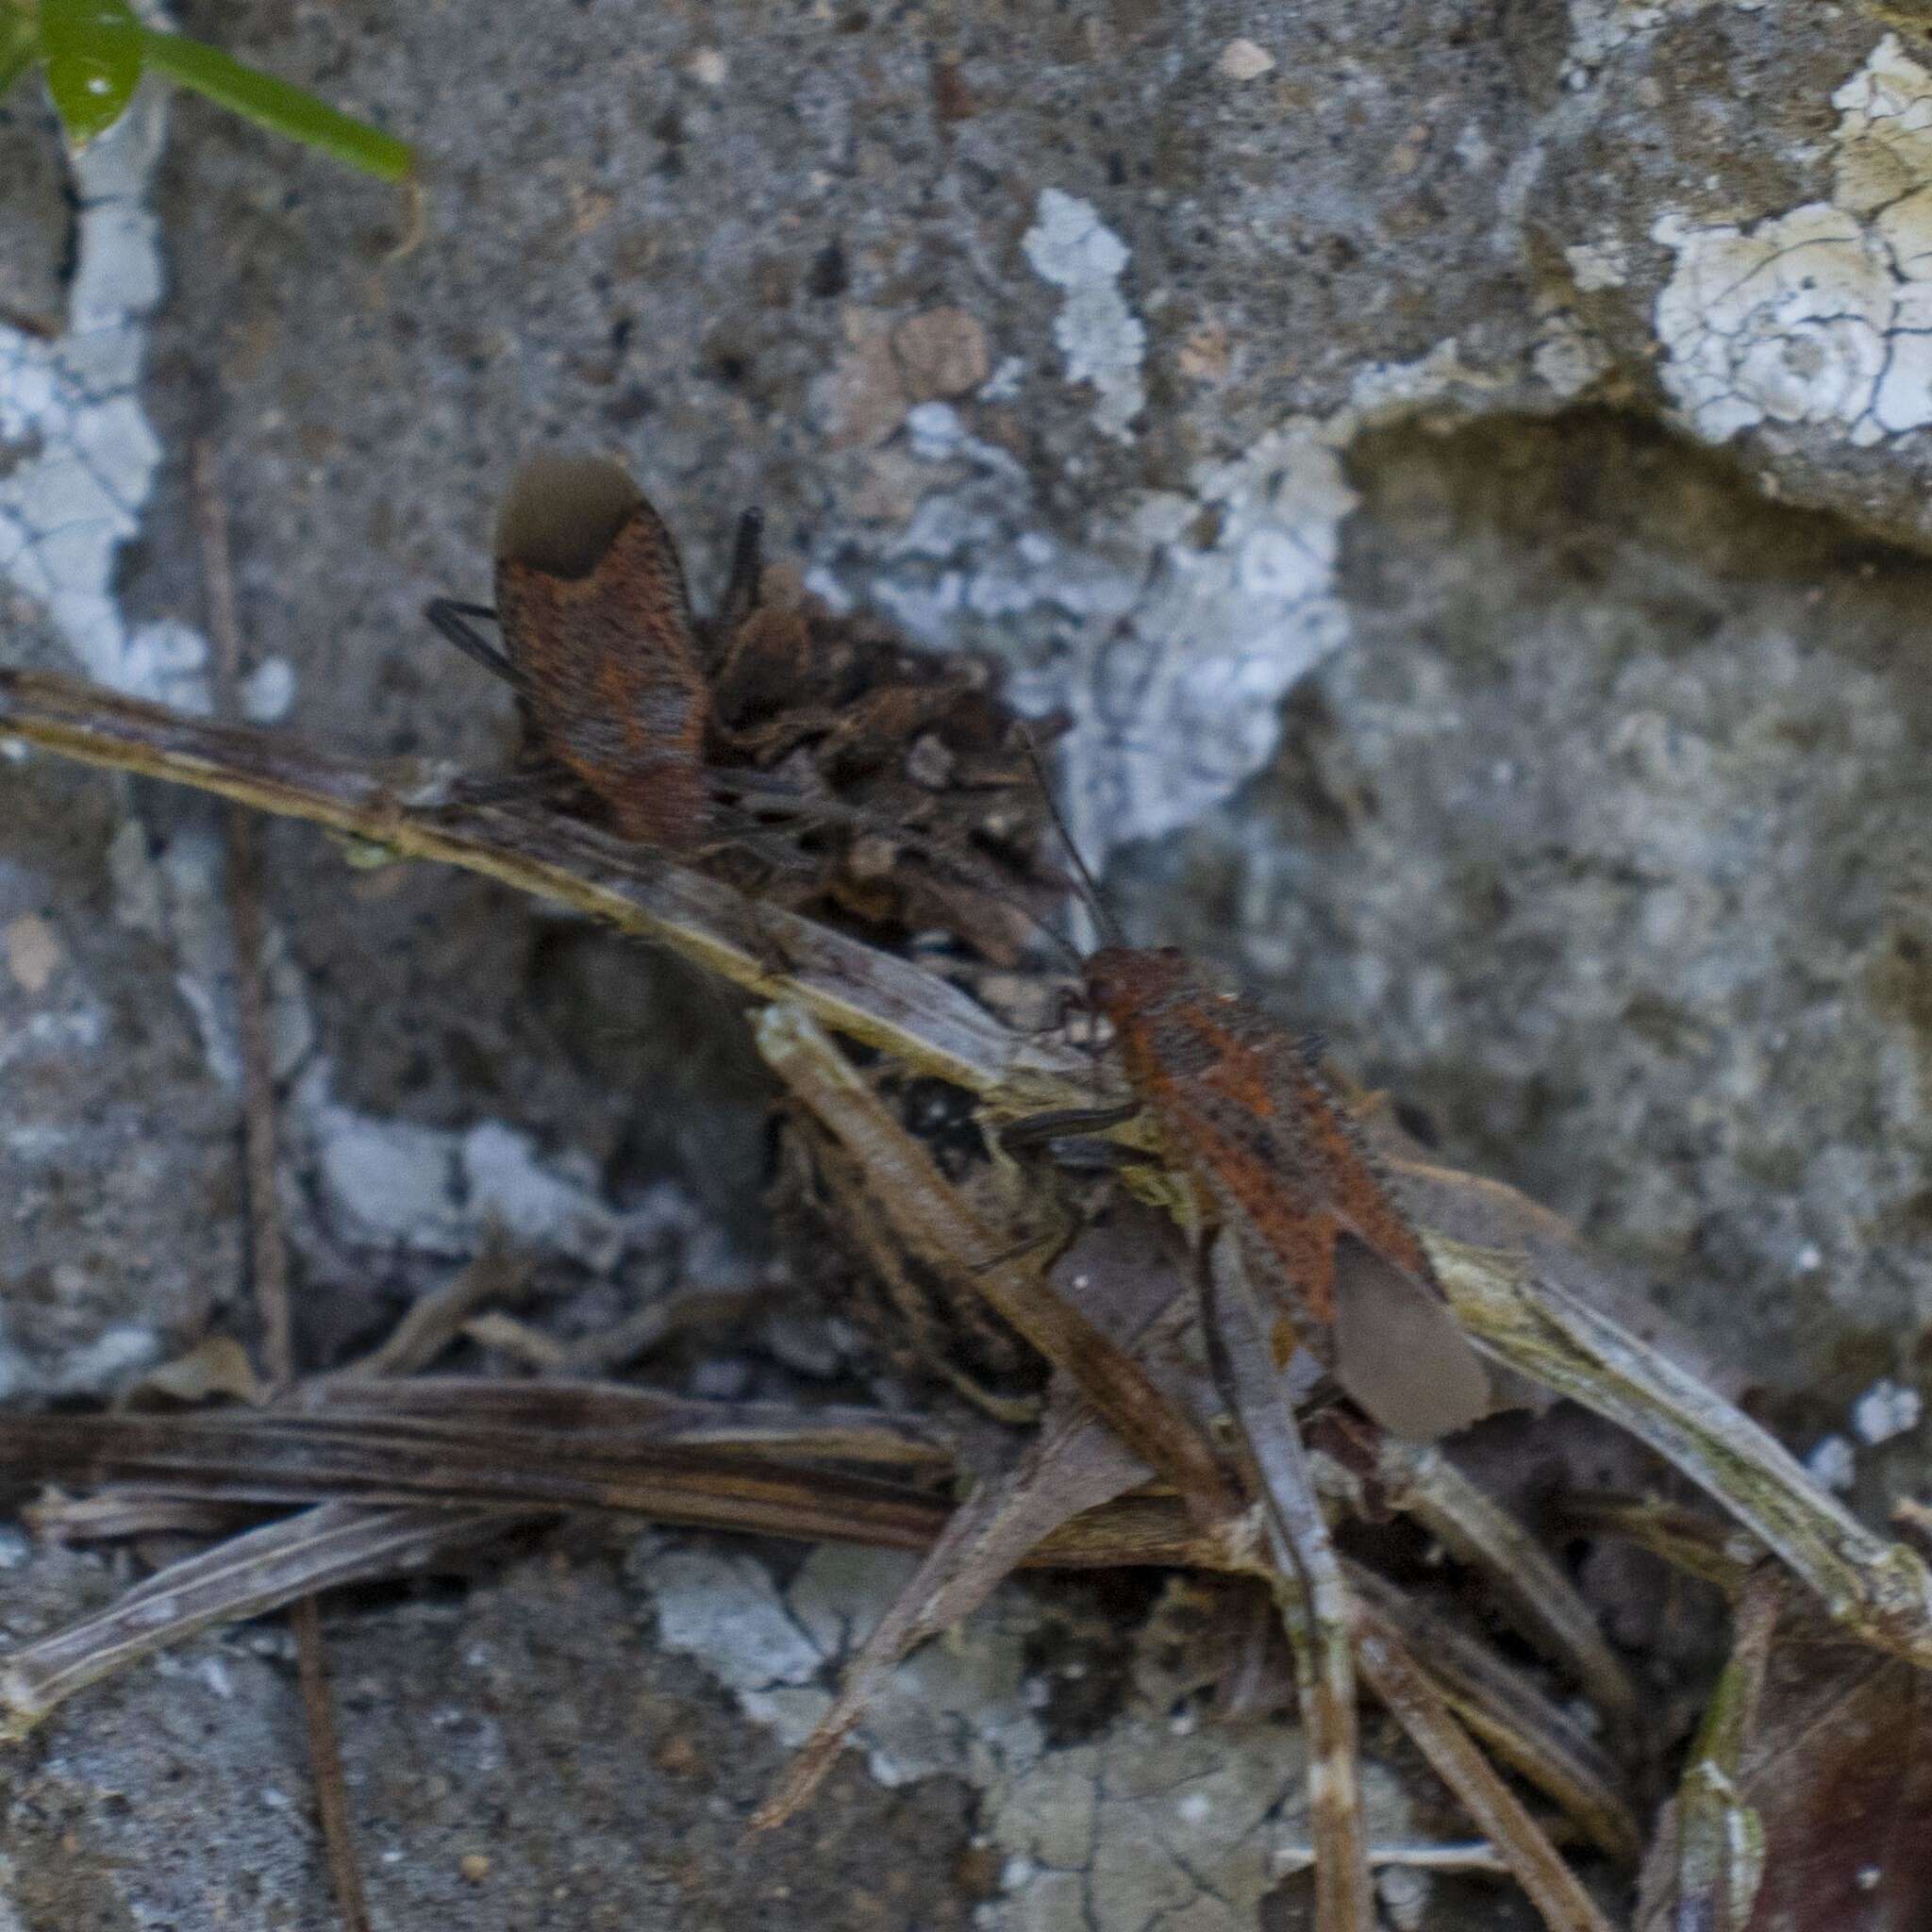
x=452, y=620
x=742, y=587
x=1064, y=1123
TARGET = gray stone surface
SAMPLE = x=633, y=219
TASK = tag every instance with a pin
x=1538, y=393
x=519, y=1754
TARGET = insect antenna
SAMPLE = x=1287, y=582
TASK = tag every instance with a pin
x=1089, y=886
x=452, y=620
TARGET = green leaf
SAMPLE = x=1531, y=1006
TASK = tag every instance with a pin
x=274, y=104
x=92, y=49
x=19, y=46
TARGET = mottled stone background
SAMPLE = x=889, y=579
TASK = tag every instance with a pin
x=1464, y=468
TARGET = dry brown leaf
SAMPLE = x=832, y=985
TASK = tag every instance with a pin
x=1840, y=1775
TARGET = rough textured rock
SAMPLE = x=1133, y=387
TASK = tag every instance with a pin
x=1533, y=399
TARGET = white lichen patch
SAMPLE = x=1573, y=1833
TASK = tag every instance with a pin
x=81, y=456
x=1100, y=338
x=1833, y=1464
x=1148, y=1822
x=1172, y=632
x=1820, y=317
x=1886, y=1409
x=1597, y=265
x=437, y=1191
x=1567, y=357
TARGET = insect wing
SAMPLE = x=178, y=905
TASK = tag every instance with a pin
x=597, y=621
x=1399, y=1353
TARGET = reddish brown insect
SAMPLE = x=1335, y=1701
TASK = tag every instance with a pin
x=1242, y=1109
x=599, y=644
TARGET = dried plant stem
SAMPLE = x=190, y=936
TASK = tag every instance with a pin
x=931, y=1218
x=432, y=1322
x=1881, y=1592
x=1701, y=1546
x=1534, y=1737
x=197, y=1469
x=277, y=1460
x=247, y=1576
x=387, y=1501
x=268, y=1248
x=410, y=810
x=603, y=1418
x=1305, y=1577
x=1538, y=1326
x=1073, y=1463
x=1401, y=1682
x=1721, y=1847
x=1539, y=1320
x=1542, y=1602
x=325, y=1756
x=269, y=1253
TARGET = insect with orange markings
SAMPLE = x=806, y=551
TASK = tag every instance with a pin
x=1242, y=1109
x=599, y=643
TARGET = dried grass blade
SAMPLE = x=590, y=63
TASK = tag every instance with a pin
x=1536, y=1738
x=1698, y=1545
x=117, y=1515
x=269, y=1460
x=1541, y=1602
x=169, y=1459
x=931, y=1219
x=1881, y=1592
x=259, y=1570
x=609, y=1417
x=1400, y=1682
x=1071, y=1465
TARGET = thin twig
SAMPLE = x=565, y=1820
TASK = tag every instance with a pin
x=1542, y=1602
x=932, y=1220
x=657, y=1322
x=268, y=1250
x=1399, y=1681
x=268, y=1247
x=1305, y=1577
x=432, y=1322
